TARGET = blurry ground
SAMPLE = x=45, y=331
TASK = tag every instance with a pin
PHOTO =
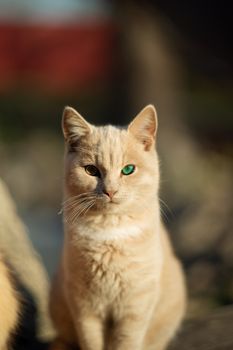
x=212, y=332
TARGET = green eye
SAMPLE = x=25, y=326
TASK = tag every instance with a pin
x=92, y=170
x=128, y=169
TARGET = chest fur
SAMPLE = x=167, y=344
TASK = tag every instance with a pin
x=109, y=269
x=104, y=273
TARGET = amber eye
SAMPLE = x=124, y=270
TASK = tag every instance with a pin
x=92, y=170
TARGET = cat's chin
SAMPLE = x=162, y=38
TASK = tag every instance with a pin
x=108, y=207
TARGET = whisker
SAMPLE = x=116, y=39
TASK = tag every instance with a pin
x=91, y=205
x=164, y=214
x=83, y=210
x=77, y=206
x=77, y=202
x=72, y=212
x=166, y=207
x=77, y=196
x=76, y=211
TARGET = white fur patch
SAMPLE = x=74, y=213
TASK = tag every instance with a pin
x=109, y=233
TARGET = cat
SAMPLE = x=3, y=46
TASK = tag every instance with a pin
x=29, y=272
x=119, y=285
x=9, y=306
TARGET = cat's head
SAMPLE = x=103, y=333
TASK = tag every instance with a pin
x=110, y=169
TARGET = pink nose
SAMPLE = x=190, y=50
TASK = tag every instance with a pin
x=109, y=193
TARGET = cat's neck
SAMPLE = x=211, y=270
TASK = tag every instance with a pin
x=106, y=226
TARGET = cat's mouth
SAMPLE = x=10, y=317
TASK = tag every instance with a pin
x=110, y=201
x=105, y=202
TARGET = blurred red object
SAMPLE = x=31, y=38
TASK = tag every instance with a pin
x=55, y=57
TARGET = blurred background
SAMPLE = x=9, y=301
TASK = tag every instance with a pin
x=108, y=59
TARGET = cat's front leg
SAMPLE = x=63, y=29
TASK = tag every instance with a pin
x=90, y=332
x=128, y=333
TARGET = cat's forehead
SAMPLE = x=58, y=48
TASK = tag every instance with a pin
x=107, y=145
x=110, y=145
x=109, y=137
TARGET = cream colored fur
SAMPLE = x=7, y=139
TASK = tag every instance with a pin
x=18, y=251
x=119, y=285
x=9, y=307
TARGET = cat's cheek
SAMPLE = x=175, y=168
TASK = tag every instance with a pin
x=148, y=179
x=77, y=181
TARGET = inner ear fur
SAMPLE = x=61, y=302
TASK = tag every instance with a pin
x=144, y=126
x=74, y=126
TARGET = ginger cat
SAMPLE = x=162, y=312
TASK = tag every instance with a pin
x=119, y=285
x=9, y=307
x=25, y=262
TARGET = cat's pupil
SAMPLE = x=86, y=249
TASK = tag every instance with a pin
x=128, y=169
x=92, y=170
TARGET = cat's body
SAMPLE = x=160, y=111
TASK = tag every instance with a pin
x=9, y=306
x=27, y=267
x=119, y=286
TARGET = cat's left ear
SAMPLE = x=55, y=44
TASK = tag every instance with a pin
x=144, y=126
x=74, y=126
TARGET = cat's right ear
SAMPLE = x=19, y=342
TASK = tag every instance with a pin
x=74, y=126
